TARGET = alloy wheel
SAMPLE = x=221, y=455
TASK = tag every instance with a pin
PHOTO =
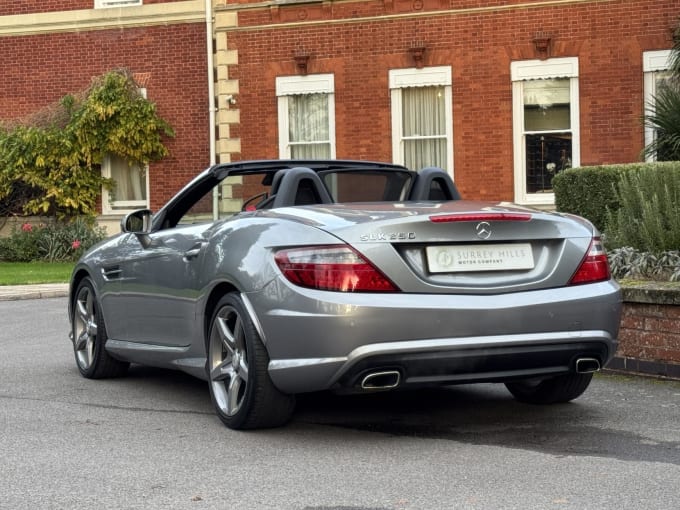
x=85, y=327
x=228, y=361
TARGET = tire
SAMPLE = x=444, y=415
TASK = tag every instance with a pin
x=241, y=390
x=89, y=336
x=555, y=390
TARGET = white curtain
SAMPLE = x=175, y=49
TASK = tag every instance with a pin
x=424, y=127
x=130, y=180
x=309, y=134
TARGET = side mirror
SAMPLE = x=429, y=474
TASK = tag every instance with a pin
x=138, y=223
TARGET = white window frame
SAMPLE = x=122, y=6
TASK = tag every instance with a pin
x=526, y=70
x=654, y=63
x=121, y=207
x=287, y=86
x=110, y=4
x=399, y=79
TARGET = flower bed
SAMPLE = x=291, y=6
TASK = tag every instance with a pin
x=50, y=241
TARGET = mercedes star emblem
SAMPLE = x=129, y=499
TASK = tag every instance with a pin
x=483, y=230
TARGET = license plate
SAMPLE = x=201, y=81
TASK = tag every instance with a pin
x=479, y=257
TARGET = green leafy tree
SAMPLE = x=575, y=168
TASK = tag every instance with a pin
x=58, y=152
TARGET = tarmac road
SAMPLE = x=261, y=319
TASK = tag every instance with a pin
x=150, y=440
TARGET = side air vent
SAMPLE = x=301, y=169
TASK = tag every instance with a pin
x=111, y=272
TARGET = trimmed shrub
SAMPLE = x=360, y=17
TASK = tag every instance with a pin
x=588, y=191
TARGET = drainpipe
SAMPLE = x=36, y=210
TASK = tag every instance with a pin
x=212, y=110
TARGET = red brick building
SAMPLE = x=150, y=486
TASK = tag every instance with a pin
x=53, y=48
x=502, y=93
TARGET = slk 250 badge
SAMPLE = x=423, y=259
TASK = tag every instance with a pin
x=388, y=236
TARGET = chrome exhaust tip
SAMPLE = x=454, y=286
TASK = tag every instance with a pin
x=587, y=365
x=385, y=380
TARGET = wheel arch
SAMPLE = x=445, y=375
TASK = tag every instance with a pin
x=214, y=297
x=78, y=276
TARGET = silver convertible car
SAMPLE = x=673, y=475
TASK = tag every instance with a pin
x=348, y=276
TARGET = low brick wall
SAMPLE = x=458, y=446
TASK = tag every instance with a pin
x=649, y=339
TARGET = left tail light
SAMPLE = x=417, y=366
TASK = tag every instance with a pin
x=594, y=267
x=336, y=268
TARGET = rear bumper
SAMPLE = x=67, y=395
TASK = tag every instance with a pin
x=325, y=340
x=446, y=361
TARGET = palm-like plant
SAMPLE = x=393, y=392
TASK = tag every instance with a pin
x=663, y=113
x=675, y=54
x=664, y=117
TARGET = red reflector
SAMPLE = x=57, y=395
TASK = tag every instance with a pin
x=501, y=216
x=336, y=268
x=594, y=267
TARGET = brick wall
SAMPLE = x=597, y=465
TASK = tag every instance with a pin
x=39, y=70
x=34, y=6
x=361, y=41
x=649, y=339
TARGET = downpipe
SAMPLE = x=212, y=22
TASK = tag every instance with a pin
x=587, y=365
x=379, y=381
x=212, y=109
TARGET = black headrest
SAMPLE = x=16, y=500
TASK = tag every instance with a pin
x=301, y=186
x=434, y=184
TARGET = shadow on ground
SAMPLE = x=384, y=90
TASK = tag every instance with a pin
x=486, y=415
x=483, y=414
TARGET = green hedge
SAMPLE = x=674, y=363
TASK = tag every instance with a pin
x=592, y=191
x=588, y=191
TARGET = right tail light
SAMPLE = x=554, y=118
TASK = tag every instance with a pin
x=594, y=267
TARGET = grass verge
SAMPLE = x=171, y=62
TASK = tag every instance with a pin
x=23, y=273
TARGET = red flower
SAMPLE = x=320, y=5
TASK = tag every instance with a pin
x=75, y=244
x=27, y=227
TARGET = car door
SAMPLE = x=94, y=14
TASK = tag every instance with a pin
x=159, y=286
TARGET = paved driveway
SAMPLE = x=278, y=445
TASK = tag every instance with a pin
x=150, y=440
